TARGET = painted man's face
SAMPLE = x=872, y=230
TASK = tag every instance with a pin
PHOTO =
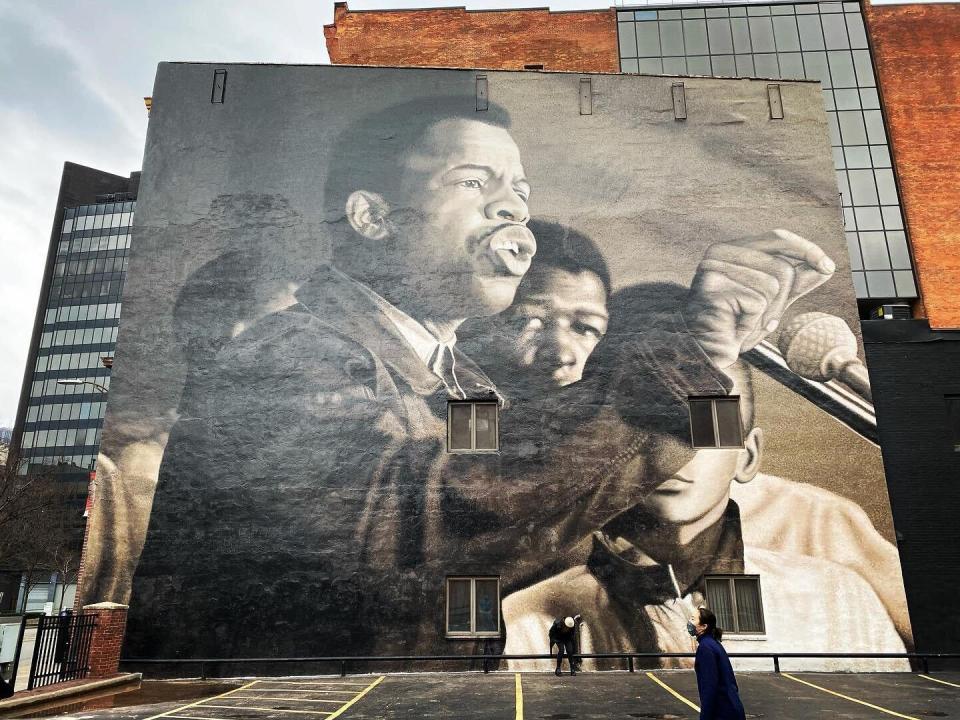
x=463, y=214
x=556, y=324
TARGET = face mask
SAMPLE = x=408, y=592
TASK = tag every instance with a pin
x=691, y=628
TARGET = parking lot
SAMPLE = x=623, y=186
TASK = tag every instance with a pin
x=511, y=696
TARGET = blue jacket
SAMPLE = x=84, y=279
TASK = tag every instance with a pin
x=719, y=694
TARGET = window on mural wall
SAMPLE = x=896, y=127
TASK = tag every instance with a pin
x=735, y=600
x=473, y=607
x=472, y=427
x=715, y=422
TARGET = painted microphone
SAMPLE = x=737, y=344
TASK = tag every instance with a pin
x=821, y=347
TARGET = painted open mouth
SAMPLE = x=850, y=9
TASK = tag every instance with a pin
x=510, y=248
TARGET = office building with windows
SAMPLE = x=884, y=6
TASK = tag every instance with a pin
x=68, y=371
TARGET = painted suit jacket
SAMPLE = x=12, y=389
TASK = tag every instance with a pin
x=291, y=493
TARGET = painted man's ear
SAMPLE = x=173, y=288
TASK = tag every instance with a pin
x=367, y=213
x=749, y=462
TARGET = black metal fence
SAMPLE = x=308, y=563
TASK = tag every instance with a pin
x=62, y=649
x=486, y=663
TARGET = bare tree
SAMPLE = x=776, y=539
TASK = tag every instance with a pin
x=40, y=523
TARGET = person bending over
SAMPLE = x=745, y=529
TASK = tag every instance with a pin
x=563, y=633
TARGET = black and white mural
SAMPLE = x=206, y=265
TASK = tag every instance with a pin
x=329, y=258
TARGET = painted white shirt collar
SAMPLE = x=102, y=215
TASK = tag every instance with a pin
x=423, y=342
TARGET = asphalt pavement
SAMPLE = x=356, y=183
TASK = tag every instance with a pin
x=663, y=695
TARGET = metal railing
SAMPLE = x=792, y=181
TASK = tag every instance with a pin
x=487, y=662
x=62, y=649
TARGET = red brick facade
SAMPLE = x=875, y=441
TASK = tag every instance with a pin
x=454, y=37
x=91, y=489
x=107, y=638
x=916, y=49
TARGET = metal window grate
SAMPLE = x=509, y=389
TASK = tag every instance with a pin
x=953, y=418
x=219, y=86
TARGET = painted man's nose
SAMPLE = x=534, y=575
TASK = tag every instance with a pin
x=510, y=207
x=556, y=352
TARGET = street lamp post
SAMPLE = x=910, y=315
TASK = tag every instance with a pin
x=80, y=381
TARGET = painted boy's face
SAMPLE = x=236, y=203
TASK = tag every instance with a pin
x=555, y=325
x=697, y=488
x=702, y=485
x=462, y=216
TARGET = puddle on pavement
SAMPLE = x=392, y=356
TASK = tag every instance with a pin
x=150, y=692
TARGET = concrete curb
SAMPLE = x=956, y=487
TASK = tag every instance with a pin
x=26, y=700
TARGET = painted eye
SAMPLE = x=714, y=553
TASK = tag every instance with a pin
x=587, y=330
x=471, y=183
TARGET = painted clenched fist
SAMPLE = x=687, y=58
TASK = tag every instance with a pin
x=743, y=287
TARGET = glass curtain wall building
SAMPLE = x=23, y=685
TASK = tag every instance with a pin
x=63, y=420
x=65, y=386
x=813, y=41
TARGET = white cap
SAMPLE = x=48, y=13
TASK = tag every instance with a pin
x=568, y=622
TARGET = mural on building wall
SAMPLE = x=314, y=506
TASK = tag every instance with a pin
x=344, y=252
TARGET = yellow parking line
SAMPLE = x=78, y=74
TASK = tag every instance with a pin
x=673, y=692
x=191, y=717
x=937, y=680
x=314, y=683
x=262, y=688
x=519, y=695
x=271, y=710
x=851, y=699
x=338, y=701
x=194, y=704
x=369, y=687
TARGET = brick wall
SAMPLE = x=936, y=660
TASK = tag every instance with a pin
x=917, y=54
x=454, y=37
x=107, y=638
x=91, y=489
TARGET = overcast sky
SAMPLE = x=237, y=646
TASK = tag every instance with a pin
x=73, y=74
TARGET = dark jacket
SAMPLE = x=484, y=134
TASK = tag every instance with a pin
x=719, y=694
x=560, y=633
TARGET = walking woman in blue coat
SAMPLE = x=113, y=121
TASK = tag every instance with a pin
x=719, y=694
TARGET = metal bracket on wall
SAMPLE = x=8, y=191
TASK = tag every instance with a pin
x=483, y=97
x=586, y=96
x=776, y=102
x=679, y=101
x=219, y=86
